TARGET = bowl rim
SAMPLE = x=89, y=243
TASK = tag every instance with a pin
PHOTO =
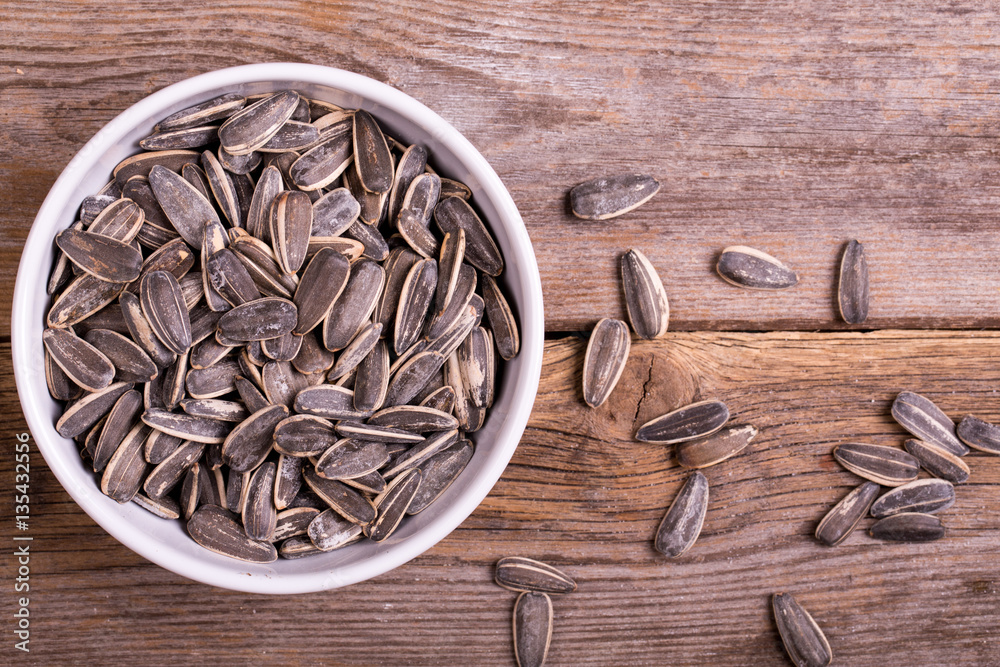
x=33, y=393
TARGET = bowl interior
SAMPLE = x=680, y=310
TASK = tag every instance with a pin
x=165, y=542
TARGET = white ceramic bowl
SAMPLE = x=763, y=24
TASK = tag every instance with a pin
x=165, y=542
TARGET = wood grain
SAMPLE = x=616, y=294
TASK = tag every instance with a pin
x=793, y=127
x=581, y=494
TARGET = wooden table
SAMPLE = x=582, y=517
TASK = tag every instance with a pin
x=789, y=126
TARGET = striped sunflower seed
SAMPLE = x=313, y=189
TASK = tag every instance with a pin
x=716, y=448
x=413, y=376
x=287, y=481
x=159, y=446
x=83, y=363
x=411, y=164
x=887, y=466
x=143, y=163
x=121, y=419
x=688, y=423
x=645, y=298
x=918, y=415
x=227, y=411
x=249, y=443
x=502, y=320
x=100, y=256
x=844, y=517
x=374, y=244
x=294, y=135
x=481, y=250
x=607, y=353
x=371, y=154
x=324, y=163
x=334, y=213
x=329, y=530
x=282, y=348
x=216, y=380
x=123, y=475
x=804, y=642
x=322, y=283
x=420, y=199
x=253, y=126
x=164, y=308
x=852, y=293
x=184, y=205
x=189, y=137
x=938, y=462
x=532, y=629
x=342, y=499
x=130, y=362
x=354, y=305
x=356, y=351
x=186, y=427
x=927, y=496
x=604, y=198
x=478, y=367
x=349, y=458
x=121, y=221
x=414, y=300
x=267, y=317
x=372, y=381
x=259, y=515
x=392, y=505
x=82, y=298
x=169, y=472
x=449, y=265
x=203, y=113
x=753, y=269
x=294, y=521
x=217, y=530
x=517, y=573
x=291, y=225
x=60, y=386
x=165, y=508
x=453, y=188
x=88, y=410
x=908, y=527
x=329, y=401
x=413, y=418
x=682, y=523
x=142, y=332
x=220, y=183
x=980, y=435
x=190, y=492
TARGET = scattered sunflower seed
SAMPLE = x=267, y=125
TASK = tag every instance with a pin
x=918, y=415
x=532, y=629
x=887, y=466
x=844, y=517
x=908, y=527
x=852, y=292
x=804, y=642
x=607, y=353
x=524, y=574
x=753, y=269
x=688, y=423
x=604, y=198
x=645, y=298
x=682, y=523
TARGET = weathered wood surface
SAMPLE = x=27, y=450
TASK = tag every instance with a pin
x=788, y=126
x=581, y=494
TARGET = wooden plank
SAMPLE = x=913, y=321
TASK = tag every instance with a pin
x=790, y=127
x=581, y=494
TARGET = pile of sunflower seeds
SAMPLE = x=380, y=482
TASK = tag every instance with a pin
x=532, y=622
x=908, y=511
x=239, y=343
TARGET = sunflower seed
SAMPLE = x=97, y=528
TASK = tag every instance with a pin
x=342, y=499
x=62, y=388
x=213, y=487
x=208, y=353
x=282, y=348
x=202, y=113
x=354, y=305
x=173, y=382
x=259, y=515
x=298, y=547
x=165, y=310
x=291, y=226
x=414, y=418
x=421, y=452
x=501, y=319
x=421, y=197
x=753, y=269
x=259, y=261
x=214, y=381
x=371, y=153
x=83, y=363
x=174, y=257
x=221, y=185
x=264, y=318
x=329, y=530
x=938, y=462
x=268, y=186
x=411, y=165
x=478, y=366
x=532, y=629
x=217, y=530
x=121, y=419
x=304, y=435
x=251, y=395
x=516, y=573
x=688, y=423
x=452, y=188
x=645, y=298
x=481, y=250
x=375, y=433
x=918, y=415
x=607, y=353
x=372, y=382
x=356, y=351
x=439, y=471
x=63, y=269
x=312, y=356
x=100, y=256
x=92, y=206
x=159, y=446
x=183, y=204
x=169, y=472
x=294, y=521
x=249, y=443
x=82, y=298
x=392, y=505
x=416, y=234
x=194, y=175
x=682, y=523
x=414, y=300
x=323, y=164
x=887, y=466
x=716, y=448
x=165, y=508
x=374, y=244
x=329, y=401
x=227, y=411
x=334, y=213
x=397, y=268
x=928, y=496
x=844, y=517
x=604, y=198
x=804, y=641
x=351, y=458
x=446, y=320
x=287, y=480
x=237, y=488
x=413, y=376
x=322, y=283
x=125, y=470
x=980, y=435
x=86, y=412
x=143, y=163
x=192, y=290
x=187, y=427
x=253, y=126
x=189, y=137
x=442, y=399
x=908, y=527
x=121, y=221
x=852, y=295
x=142, y=332
x=190, y=492
x=281, y=382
